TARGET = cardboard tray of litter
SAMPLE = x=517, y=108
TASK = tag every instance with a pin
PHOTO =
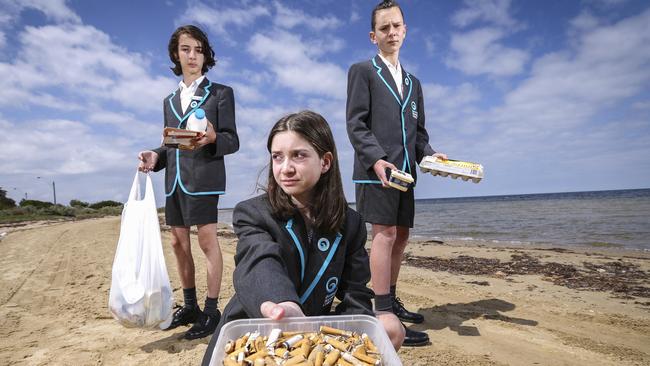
x=452, y=168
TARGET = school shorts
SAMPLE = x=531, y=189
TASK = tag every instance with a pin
x=186, y=210
x=385, y=206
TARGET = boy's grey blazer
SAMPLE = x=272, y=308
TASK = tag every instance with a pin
x=200, y=171
x=383, y=125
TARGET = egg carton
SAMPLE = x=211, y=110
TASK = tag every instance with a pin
x=452, y=168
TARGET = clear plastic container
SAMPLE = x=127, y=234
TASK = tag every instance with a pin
x=356, y=323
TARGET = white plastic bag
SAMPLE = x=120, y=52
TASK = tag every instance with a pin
x=141, y=294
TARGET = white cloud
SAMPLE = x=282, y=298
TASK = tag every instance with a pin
x=479, y=52
x=295, y=65
x=287, y=18
x=55, y=10
x=81, y=64
x=494, y=12
x=219, y=19
x=59, y=147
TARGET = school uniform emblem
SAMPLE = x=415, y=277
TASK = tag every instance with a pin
x=330, y=286
x=414, y=109
x=193, y=104
x=323, y=244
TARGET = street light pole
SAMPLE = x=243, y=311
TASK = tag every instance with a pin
x=53, y=189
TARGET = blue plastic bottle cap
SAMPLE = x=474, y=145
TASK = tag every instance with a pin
x=199, y=113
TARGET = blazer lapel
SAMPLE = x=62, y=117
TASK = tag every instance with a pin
x=407, y=86
x=386, y=77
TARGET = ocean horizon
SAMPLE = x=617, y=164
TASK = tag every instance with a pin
x=592, y=219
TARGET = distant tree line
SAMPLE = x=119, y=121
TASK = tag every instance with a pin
x=35, y=209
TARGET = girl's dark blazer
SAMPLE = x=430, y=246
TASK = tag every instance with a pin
x=383, y=125
x=275, y=262
x=200, y=171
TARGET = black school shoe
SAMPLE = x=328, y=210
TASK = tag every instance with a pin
x=184, y=316
x=204, y=326
x=413, y=338
x=405, y=315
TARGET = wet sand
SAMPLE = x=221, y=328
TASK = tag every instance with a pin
x=483, y=305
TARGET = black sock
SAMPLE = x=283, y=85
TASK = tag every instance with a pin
x=211, y=306
x=393, y=289
x=189, y=297
x=383, y=303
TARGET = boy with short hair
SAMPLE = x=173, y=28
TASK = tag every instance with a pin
x=385, y=124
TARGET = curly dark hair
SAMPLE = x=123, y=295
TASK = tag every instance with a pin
x=196, y=33
x=386, y=4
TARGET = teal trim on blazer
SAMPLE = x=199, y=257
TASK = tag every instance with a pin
x=406, y=152
x=198, y=105
x=322, y=269
x=297, y=243
x=180, y=182
x=178, y=179
x=403, y=105
x=367, y=181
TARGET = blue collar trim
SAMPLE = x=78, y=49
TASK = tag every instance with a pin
x=198, y=105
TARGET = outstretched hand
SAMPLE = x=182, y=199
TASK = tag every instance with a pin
x=285, y=309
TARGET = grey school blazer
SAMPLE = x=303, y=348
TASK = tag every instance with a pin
x=275, y=261
x=200, y=171
x=383, y=125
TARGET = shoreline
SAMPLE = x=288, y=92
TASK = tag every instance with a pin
x=490, y=312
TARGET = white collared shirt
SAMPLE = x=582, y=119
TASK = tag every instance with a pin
x=187, y=92
x=396, y=72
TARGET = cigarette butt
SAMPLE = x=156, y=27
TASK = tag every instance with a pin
x=239, y=350
x=332, y=357
x=297, y=352
x=289, y=334
x=352, y=360
x=273, y=337
x=343, y=362
x=320, y=358
x=281, y=352
x=292, y=341
x=259, y=344
x=360, y=350
x=230, y=346
x=261, y=354
x=295, y=360
x=335, y=331
x=336, y=343
x=370, y=347
x=367, y=359
x=314, y=352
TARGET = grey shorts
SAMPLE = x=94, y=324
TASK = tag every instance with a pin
x=185, y=210
x=385, y=206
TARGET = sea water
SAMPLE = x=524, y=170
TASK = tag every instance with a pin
x=619, y=218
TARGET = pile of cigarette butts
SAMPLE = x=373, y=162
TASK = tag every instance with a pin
x=328, y=347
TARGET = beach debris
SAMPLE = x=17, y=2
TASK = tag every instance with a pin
x=452, y=168
x=2, y=235
x=327, y=347
x=618, y=277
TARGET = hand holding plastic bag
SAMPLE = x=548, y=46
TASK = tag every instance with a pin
x=141, y=294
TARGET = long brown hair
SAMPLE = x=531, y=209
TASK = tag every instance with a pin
x=328, y=205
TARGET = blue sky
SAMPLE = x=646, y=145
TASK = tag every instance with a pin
x=548, y=95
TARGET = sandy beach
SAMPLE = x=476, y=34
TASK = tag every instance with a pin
x=483, y=305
